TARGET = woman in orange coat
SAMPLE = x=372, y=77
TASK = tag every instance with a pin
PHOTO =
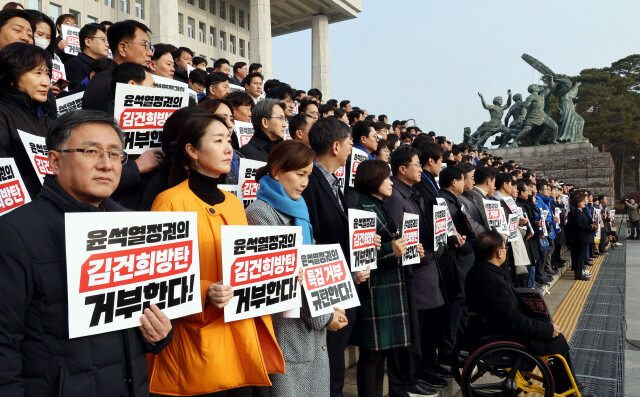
x=207, y=355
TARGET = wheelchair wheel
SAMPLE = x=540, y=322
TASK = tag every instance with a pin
x=459, y=356
x=501, y=369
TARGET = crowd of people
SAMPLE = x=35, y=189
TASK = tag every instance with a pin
x=410, y=316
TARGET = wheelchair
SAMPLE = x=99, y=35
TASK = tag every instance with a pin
x=492, y=365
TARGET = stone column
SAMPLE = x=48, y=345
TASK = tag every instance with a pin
x=320, y=64
x=260, y=26
x=163, y=22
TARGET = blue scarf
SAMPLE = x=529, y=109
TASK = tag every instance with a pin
x=359, y=146
x=272, y=192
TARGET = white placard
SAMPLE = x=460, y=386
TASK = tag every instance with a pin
x=439, y=226
x=511, y=204
x=13, y=193
x=36, y=149
x=72, y=35
x=492, y=210
x=141, y=113
x=230, y=188
x=261, y=264
x=118, y=263
x=341, y=178
x=357, y=156
x=69, y=103
x=411, y=235
x=57, y=71
x=247, y=184
x=233, y=87
x=450, y=226
x=513, y=227
x=362, y=233
x=244, y=131
x=543, y=222
x=327, y=282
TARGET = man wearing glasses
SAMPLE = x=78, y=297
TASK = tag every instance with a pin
x=86, y=159
x=269, y=123
x=94, y=45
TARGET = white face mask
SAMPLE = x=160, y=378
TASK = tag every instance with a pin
x=40, y=42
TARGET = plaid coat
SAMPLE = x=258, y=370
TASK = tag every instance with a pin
x=383, y=316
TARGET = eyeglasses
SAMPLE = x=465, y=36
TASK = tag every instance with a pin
x=95, y=153
x=103, y=38
x=147, y=45
x=416, y=164
x=281, y=118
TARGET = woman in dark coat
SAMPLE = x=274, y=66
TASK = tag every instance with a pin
x=580, y=234
x=383, y=318
x=25, y=79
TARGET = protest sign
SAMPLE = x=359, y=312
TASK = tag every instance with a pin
x=513, y=226
x=534, y=298
x=494, y=217
x=450, y=226
x=247, y=184
x=244, y=132
x=72, y=36
x=37, y=151
x=411, y=235
x=612, y=214
x=119, y=263
x=141, y=113
x=543, y=219
x=439, y=226
x=260, y=263
x=357, y=156
x=327, y=281
x=70, y=102
x=556, y=214
x=598, y=218
x=229, y=188
x=341, y=179
x=13, y=193
x=362, y=232
x=57, y=71
x=511, y=204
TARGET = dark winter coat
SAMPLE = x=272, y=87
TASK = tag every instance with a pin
x=38, y=358
x=259, y=146
x=579, y=228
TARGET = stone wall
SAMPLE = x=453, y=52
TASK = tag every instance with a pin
x=579, y=164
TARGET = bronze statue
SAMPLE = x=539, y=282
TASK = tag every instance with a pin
x=494, y=125
x=536, y=116
x=571, y=123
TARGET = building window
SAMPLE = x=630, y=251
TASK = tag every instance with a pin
x=180, y=23
x=109, y=3
x=249, y=49
x=232, y=44
x=248, y=21
x=34, y=5
x=76, y=15
x=124, y=6
x=54, y=11
x=241, y=18
x=223, y=9
x=201, y=29
x=223, y=40
x=232, y=14
x=192, y=2
x=191, y=28
x=91, y=19
x=212, y=36
x=241, y=46
x=140, y=9
x=212, y=6
x=202, y=4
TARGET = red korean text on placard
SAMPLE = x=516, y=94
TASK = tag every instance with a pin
x=324, y=275
x=11, y=195
x=411, y=236
x=112, y=269
x=363, y=238
x=259, y=268
x=42, y=165
x=250, y=189
x=440, y=226
x=493, y=213
x=339, y=172
x=134, y=119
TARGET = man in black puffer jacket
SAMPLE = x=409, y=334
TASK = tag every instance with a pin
x=37, y=358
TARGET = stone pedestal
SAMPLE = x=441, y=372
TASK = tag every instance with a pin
x=577, y=163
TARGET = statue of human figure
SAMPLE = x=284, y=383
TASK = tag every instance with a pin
x=494, y=125
x=536, y=116
x=518, y=112
x=571, y=123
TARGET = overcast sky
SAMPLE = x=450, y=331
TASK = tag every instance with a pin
x=427, y=59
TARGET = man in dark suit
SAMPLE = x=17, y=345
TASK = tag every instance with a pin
x=269, y=123
x=490, y=295
x=93, y=44
x=330, y=139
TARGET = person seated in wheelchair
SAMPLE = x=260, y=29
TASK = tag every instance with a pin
x=492, y=297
